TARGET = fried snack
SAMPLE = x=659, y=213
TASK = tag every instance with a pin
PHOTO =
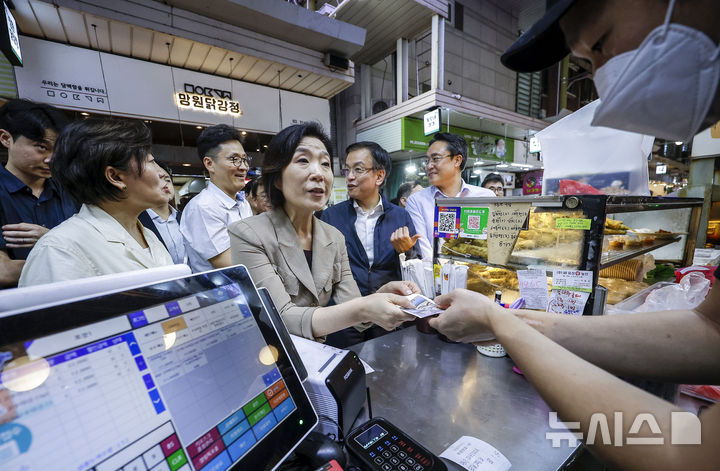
x=615, y=224
x=526, y=244
x=619, y=290
x=615, y=231
x=499, y=277
x=465, y=246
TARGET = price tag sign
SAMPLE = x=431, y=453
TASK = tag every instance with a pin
x=570, y=291
x=571, y=223
x=533, y=288
x=504, y=224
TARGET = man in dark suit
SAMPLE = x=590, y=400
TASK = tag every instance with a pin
x=368, y=220
x=164, y=221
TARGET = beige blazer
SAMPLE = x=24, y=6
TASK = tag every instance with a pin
x=268, y=246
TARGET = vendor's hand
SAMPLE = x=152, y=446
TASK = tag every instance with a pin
x=384, y=310
x=403, y=288
x=466, y=318
x=22, y=235
x=402, y=241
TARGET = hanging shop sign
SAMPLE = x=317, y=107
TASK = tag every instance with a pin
x=480, y=145
x=86, y=80
x=431, y=122
x=9, y=39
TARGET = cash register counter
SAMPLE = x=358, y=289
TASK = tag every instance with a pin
x=437, y=392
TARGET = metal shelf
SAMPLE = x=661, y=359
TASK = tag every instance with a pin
x=631, y=204
x=480, y=261
x=613, y=257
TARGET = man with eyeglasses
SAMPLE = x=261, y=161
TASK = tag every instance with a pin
x=207, y=216
x=368, y=221
x=446, y=158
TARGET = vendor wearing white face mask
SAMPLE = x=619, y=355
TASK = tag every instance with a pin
x=657, y=71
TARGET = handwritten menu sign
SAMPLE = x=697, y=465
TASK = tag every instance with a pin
x=533, y=288
x=504, y=224
x=570, y=291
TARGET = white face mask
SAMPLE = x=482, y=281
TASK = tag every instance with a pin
x=664, y=88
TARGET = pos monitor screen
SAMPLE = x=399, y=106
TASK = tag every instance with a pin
x=186, y=374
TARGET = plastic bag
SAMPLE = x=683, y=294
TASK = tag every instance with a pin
x=584, y=159
x=687, y=294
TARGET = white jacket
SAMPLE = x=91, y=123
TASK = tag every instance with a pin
x=90, y=243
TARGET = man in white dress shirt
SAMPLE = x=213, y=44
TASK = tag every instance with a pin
x=446, y=158
x=207, y=216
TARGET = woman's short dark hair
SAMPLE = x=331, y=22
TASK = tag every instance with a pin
x=381, y=159
x=455, y=144
x=280, y=153
x=86, y=148
x=29, y=119
x=493, y=178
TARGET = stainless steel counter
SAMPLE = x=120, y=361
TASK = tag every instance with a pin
x=438, y=392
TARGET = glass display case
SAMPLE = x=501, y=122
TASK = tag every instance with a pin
x=588, y=233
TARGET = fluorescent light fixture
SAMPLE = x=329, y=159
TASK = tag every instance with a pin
x=187, y=165
x=502, y=166
x=410, y=168
x=678, y=143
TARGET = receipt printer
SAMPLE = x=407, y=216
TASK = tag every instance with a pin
x=335, y=384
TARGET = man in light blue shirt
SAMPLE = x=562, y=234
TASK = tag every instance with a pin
x=164, y=220
x=446, y=158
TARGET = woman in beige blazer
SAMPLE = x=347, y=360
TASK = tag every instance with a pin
x=301, y=260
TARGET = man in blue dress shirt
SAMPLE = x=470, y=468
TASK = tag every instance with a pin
x=31, y=203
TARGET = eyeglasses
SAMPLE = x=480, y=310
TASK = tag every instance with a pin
x=238, y=160
x=358, y=171
x=435, y=159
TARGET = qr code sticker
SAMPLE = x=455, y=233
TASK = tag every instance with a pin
x=473, y=222
x=446, y=222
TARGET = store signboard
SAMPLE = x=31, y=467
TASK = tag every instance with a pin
x=72, y=77
x=480, y=145
x=9, y=39
x=661, y=169
x=298, y=108
x=60, y=75
x=431, y=122
x=136, y=88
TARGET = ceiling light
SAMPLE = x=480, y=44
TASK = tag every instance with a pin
x=258, y=150
x=187, y=165
x=410, y=168
x=85, y=114
x=198, y=127
x=265, y=146
x=477, y=171
x=503, y=166
x=148, y=121
x=678, y=143
x=243, y=133
x=421, y=173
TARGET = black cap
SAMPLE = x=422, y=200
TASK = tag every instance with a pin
x=543, y=44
